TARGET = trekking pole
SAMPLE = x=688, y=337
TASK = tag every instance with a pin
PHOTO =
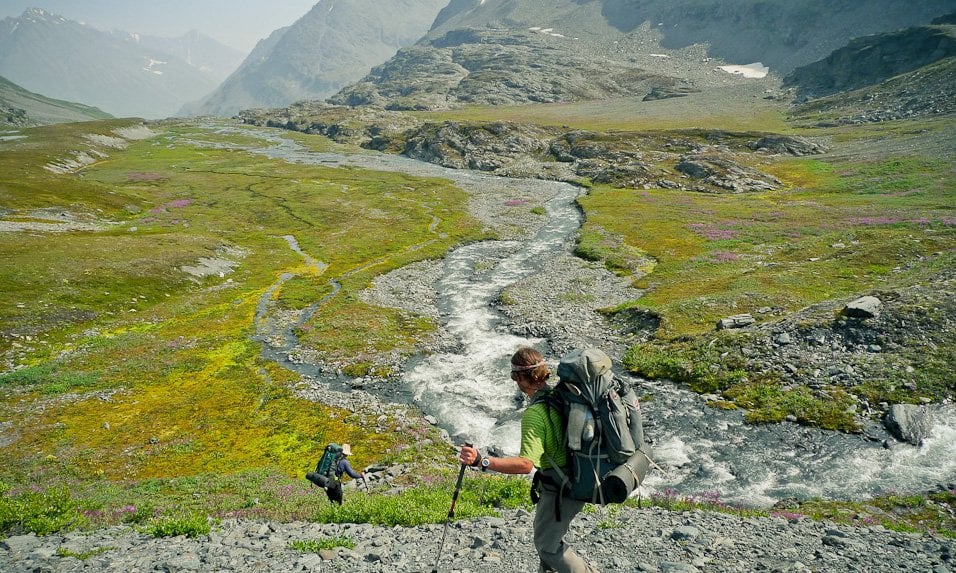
x=451, y=512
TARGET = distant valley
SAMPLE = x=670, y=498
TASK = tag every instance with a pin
x=123, y=74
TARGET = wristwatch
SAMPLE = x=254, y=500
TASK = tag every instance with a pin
x=485, y=462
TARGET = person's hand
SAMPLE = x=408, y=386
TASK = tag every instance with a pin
x=468, y=456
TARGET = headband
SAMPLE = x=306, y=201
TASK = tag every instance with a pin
x=516, y=368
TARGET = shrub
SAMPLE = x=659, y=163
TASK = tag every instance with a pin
x=39, y=512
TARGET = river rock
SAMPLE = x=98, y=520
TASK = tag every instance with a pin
x=909, y=423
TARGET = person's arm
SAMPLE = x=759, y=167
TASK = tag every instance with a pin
x=509, y=465
x=346, y=467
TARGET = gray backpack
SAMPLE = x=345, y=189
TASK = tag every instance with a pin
x=607, y=454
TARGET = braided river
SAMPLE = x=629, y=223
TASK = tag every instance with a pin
x=700, y=450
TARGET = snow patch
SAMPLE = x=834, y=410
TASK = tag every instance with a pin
x=546, y=31
x=754, y=70
x=151, y=64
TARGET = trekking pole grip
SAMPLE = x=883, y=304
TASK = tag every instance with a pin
x=454, y=497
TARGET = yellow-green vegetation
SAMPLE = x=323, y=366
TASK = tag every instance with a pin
x=316, y=545
x=839, y=229
x=83, y=555
x=136, y=364
x=195, y=525
x=764, y=397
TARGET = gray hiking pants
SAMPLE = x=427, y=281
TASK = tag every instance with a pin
x=549, y=534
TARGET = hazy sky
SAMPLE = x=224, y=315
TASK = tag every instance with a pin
x=236, y=23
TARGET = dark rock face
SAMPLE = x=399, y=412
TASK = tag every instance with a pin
x=782, y=35
x=863, y=307
x=873, y=60
x=725, y=174
x=486, y=147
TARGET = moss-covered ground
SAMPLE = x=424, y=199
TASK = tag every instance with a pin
x=123, y=368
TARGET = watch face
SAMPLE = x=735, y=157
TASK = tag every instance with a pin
x=485, y=462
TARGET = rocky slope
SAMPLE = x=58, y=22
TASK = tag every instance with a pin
x=874, y=59
x=649, y=540
x=510, y=52
x=902, y=75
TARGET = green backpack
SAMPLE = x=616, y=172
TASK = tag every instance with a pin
x=604, y=435
x=324, y=474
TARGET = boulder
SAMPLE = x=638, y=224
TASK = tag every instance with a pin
x=863, y=307
x=909, y=423
x=735, y=321
x=788, y=144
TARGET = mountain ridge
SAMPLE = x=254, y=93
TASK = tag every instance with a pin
x=20, y=107
x=332, y=45
x=508, y=51
x=116, y=72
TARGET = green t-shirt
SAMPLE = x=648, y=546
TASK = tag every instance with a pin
x=538, y=436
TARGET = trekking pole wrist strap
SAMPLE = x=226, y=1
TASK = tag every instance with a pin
x=477, y=461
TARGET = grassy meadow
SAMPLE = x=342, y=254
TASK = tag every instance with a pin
x=134, y=393
x=131, y=370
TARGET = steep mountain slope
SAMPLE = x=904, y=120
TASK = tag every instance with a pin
x=20, y=108
x=927, y=91
x=337, y=42
x=873, y=59
x=49, y=54
x=496, y=52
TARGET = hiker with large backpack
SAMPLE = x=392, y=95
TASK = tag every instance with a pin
x=332, y=466
x=542, y=447
x=586, y=438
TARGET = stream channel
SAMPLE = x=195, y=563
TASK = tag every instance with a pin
x=701, y=450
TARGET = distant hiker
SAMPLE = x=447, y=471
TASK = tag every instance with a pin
x=328, y=472
x=542, y=437
x=342, y=466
